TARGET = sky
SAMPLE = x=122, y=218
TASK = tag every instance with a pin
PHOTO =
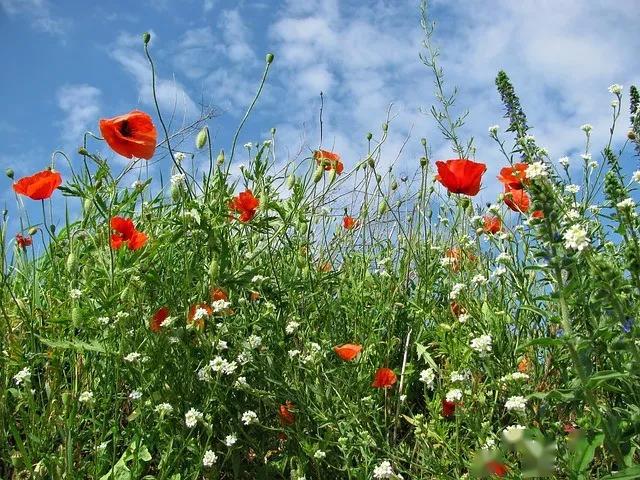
x=68, y=63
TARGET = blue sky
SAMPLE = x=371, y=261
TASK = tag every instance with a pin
x=67, y=64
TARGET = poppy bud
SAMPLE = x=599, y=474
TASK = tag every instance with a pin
x=52, y=228
x=220, y=159
x=383, y=208
x=75, y=316
x=87, y=205
x=201, y=138
x=423, y=161
x=99, y=183
x=273, y=131
x=371, y=162
x=631, y=135
x=423, y=141
x=385, y=127
x=291, y=181
x=33, y=231
x=394, y=185
x=71, y=262
x=214, y=271
x=9, y=173
x=317, y=175
x=269, y=58
x=369, y=136
x=378, y=178
x=83, y=151
x=332, y=175
x=146, y=37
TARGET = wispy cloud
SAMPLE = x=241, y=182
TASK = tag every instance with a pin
x=81, y=106
x=38, y=13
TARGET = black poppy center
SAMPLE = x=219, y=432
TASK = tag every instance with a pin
x=125, y=129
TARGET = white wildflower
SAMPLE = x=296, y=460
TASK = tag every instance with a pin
x=209, y=458
x=479, y=279
x=241, y=382
x=132, y=357
x=457, y=376
x=179, y=156
x=575, y=238
x=586, y=128
x=220, y=305
x=455, y=290
x=572, y=188
x=537, y=170
x=493, y=129
x=564, y=161
x=178, y=179
x=163, y=409
x=319, y=454
x=616, y=89
x=626, y=203
x=517, y=402
x=22, y=376
x=636, y=176
x=294, y=353
x=86, y=397
x=464, y=317
x=383, y=471
x=75, y=293
x=135, y=395
x=586, y=157
x=453, y=395
x=192, y=417
x=249, y=417
x=291, y=327
x=515, y=376
x=427, y=377
x=230, y=440
x=482, y=344
x=248, y=145
x=200, y=314
x=258, y=279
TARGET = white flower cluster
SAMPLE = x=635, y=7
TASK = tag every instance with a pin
x=249, y=417
x=513, y=433
x=453, y=395
x=163, y=409
x=627, y=203
x=220, y=305
x=22, y=376
x=537, y=170
x=209, y=458
x=384, y=471
x=456, y=290
x=457, y=376
x=291, y=327
x=482, y=344
x=575, y=238
x=178, y=179
x=564, y=161
x=220, y=365
x=517, y=403
x=192, y=417
x=427, y=377
x=515, y=376
x=616, y=89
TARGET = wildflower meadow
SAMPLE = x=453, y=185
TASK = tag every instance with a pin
x=315, y=321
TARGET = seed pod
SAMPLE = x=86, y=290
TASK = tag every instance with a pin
x=423, y=141
x=371, y=162
x=9, y=172
x=369, y=136
x=423, y=161
x=385, y=127
x=146, y=37
x=269, y=58
x=214, y=271
x=83, y=151
x=317, y=175
x=71, y=262
x=201, y=138
x=394, y=185
x=383, y=207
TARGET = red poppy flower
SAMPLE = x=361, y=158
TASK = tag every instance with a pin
x=218, y=293
x=246, y=204
x=329, y=160
x=198, y=322
x=126, y=233
x=516, y=200
x=348, y=351
x=384, y=378
x=448, y=408
x=538, y=214
x=39, y=186
x=130, y=135
x=285, y=414
x=461, y=175
x=155, y=324
x=349, y=223
x=524, y=365
x=491, y=224
x=496, y=468
x=514, y=177
x=22, y=241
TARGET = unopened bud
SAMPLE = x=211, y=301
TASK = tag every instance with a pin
x=269, y=58
x=201, y=138
x=9, y=173
x=423, y=141
x=273, y=131
x=291, y=180
x=369, y=136
x=423, y=161
x=220, y=159
x=317, y=175
x=394, y=185
x=52, y=228
x=371, y=162
x=631, y=135
x=33, y=231
x=385, y=127
x=332, y=175
x=378, y=178
x=83, y=151
x=71, y=262
x=214, y=271
x=383, y=207
x=146, y=37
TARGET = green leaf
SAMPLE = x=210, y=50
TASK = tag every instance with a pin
x=605, y=375
x=94, y=346
x=584, y=451
x=423, y=354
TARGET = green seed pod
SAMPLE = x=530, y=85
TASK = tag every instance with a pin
x=317, y=175
x=269, y=58
x=423, y=141
x=385, y=127
x=394, y=185
x=83, y=151
x=214, y=271
x=9, y=172
x=423, y=161
x=291, y=181
x=72, y=262
x=176, y=192
x=201, y=138
x=52, y=228
x=378, y=178
x=465, y=202
x=146, y=37
x=220, y=159
x=369, y=136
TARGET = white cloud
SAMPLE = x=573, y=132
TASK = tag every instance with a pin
x=39, y=14
x=81, y=106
